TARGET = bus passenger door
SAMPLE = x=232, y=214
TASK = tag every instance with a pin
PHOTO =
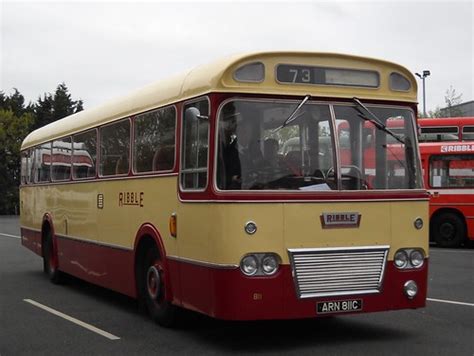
x=193, y=230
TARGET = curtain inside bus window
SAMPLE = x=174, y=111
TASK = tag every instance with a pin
x=195, y=145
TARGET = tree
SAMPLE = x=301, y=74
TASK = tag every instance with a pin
x=15, y=102
x=452, y=99
x=434, y=113
x=54, y=107
x=13, y=129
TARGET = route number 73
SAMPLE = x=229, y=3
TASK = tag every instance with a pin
x=304, y=75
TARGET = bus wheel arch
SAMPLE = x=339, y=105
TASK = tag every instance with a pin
x=152, y=278
x=448, y=227
x=49, y=251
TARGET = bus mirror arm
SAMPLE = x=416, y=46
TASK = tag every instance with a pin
x=194, y=114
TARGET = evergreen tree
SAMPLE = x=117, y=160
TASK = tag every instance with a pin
x=15, y=102
x=54, y=107
x=43, y=111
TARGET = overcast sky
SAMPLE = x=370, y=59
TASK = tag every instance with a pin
x=105, y=49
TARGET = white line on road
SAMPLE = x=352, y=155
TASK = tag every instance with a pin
x=8, y=235
x=73, y=320
x=450, y=302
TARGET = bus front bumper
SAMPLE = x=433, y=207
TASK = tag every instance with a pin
x=230, y=295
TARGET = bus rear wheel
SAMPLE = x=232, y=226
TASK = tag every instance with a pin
x=449, y=230
x=50, y=264
x=153, y=290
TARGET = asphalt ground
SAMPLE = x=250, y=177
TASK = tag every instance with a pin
x=444, y=327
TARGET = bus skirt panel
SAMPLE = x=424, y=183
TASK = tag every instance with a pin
x=230, y=295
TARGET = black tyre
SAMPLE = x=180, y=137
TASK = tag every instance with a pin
x=153, y=289
x=449, y=230
x=50, y=262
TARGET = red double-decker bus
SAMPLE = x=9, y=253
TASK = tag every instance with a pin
x=449, y=176
x=446, y=129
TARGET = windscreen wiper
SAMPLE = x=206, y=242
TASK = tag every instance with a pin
x=293, y=115
x=374, y=119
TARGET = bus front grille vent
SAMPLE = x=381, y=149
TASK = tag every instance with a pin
x=338, y=271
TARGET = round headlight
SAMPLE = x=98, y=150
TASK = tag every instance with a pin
x=401, y=259
x=249, y=265
x=269, y=264
x=410, y=289
x=416, y=258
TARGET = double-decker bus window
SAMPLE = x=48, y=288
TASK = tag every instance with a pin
x=374, y=158
x=438, y=134
x=84, y=155
x=195, y=145
x=154, y=143
x=260, y=148
x=115, y=148
x=42, y=166
x=61, y=159
x=452, y=171
x=468, y=133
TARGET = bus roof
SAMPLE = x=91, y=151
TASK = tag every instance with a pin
x=443, y=121
x=219, y=77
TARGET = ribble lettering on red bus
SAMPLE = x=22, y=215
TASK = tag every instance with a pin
x=457, y=148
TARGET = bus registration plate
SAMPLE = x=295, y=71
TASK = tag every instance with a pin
x=339, y=306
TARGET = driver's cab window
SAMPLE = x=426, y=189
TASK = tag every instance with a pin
x=261, y=147
x=195, y=145
x=375, y=151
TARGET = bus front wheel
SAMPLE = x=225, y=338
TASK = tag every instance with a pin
x=50, y=264
x=449, y=230
x=153, y=289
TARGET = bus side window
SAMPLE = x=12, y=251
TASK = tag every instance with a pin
x=31, y=166
x=195, y=145
x=61, y=159
x=43, y=163
x=84, y=155
x=154, y=143
x=24, y=167
x=115, y=148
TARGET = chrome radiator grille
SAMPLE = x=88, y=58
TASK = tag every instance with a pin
x=338, y=271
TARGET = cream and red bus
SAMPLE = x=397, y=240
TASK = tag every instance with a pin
x=449, y=176
x=223, y=191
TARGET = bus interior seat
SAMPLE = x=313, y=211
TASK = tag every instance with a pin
x=121, y=167
x=163, y=159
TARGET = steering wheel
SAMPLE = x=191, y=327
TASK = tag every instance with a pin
x=362, y=183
